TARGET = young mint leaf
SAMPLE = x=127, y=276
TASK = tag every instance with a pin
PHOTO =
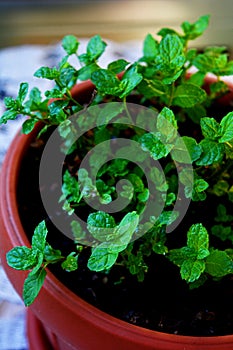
x=106, y=82
x=70, y=188
x=23, y=90
x=39, y=238
x=71, y=263
x=86, y=72
x=158, y=178
x=52, y=255
x=57, y=106
x=180, y=152
x=167, y=125
x=109, y=111
x=70, y=44
x=218, y=264
x=95, y=47
x=130, y=80
x=32, y=286
x=171, y=58
x=191, y=270
x=210, y=128
x=193, y=30
x=222, y=232
x=198, y=240
x=101, y=226
x=47, y=73
x=21, y=258
x=136, y=181
x=222, y=215
x=118, y=66
x=188, y=95
x=68, y=77
x=226, y=128
x=212, y=152
x=197, y=193
x=8, y=115
x=101, y=259
x=150, y=48
x=197, y=78
x=192, y=147
x=151, y=88
x=125, y=230
x=220, y=188
x=28, y=126
x=11, y=103
x=157, y=149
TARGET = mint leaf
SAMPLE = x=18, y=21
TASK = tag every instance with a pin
x=191, y=270
x=21, y=258
x=226, y=128
x=167, y=125
x=130, y=80
x=188, y=95
x=28, y=126
x=39, y=238
x=198, y=240
x=222, y=232
x=210, y=128
x=70, y=188
x=52, y=255
x=101, y=226
x=157, y=149
x=106, y=82
x=118, y=66
x=71, y=263
x=32, y=286
x=101, y=259
x=151, y=88
x=212, y=152
x=199, y=187
x=23, y=90
x=95, y=47
x=171, y=57
x=218, y=264
x=126, y=229
x=86, y=72
x=192, y=147
x=150, y=48
x=70, y=44
x=194, y=30
x=47, y=73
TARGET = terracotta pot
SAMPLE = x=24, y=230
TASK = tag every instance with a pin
x=59, y=319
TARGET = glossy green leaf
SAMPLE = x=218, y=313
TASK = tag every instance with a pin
x=191, y=270
x=101, y=259
x=188, y=95
x=218, y=264
x=226, y=128
x=39, y=237
x=32, y=286
x=198, y=239
x=70, y=44
x=95, y=47
x=210, y=128
x=212, y=152
x=118, y=66
x=21, y=258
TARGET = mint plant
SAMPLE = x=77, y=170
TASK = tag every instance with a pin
x=160, y=80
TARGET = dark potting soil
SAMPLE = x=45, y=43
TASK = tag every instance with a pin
x=163, y=302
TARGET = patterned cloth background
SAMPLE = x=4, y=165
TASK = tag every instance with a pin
x=18, y=64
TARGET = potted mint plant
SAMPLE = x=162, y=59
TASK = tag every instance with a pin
x=116, y=203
